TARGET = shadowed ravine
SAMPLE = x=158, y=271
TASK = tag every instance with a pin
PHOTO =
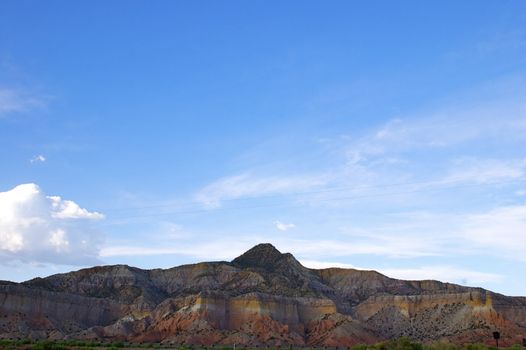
x=261, y=297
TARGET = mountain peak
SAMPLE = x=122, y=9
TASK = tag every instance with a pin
x=263, y=255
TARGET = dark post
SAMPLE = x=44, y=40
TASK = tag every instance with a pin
x=524, y=342
x=496, y=336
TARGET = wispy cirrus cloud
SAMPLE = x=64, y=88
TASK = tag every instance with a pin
x=284, y=226
x=401, y=236
x=481, y=171
x=248, y=185
x=500, y=231
x=228, y=247
x=444, y=273
x=18, y=101
x=397, y=151
x=443, y=129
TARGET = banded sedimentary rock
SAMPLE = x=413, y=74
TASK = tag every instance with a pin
x=261, y=297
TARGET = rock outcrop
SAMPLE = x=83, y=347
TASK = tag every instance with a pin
x=261, y=297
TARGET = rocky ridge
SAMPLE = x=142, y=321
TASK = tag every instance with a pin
x=261, y=297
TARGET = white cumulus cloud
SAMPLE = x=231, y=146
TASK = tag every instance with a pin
x=64, y=209
x=46, y=229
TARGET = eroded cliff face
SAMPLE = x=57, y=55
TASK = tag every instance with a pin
x=261, y=297
x=37, y=313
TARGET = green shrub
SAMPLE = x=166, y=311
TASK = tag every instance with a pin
x=92, y=344
x=5, y=342
x=116, y=344
x=48, y=345
x=359, y=347
x=442, y=346
x=475, y=347
x=22, y=342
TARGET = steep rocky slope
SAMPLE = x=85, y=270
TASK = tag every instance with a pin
x=261, y=297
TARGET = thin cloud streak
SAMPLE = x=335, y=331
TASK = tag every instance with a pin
x=247, y=185
x=283, y=226
x=499, y=232
x=443, y=273
x=18, y=101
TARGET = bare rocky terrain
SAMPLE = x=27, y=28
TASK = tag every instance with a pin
x=261, y=297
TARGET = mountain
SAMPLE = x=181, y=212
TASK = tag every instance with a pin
x=262, y=297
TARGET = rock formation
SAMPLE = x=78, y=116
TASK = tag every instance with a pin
x=261, y=297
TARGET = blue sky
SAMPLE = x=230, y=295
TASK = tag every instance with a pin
x=379, y=135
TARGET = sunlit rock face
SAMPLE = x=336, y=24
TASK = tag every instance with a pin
x=263, y=297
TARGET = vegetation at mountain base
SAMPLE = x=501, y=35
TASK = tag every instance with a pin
x=403, y=343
